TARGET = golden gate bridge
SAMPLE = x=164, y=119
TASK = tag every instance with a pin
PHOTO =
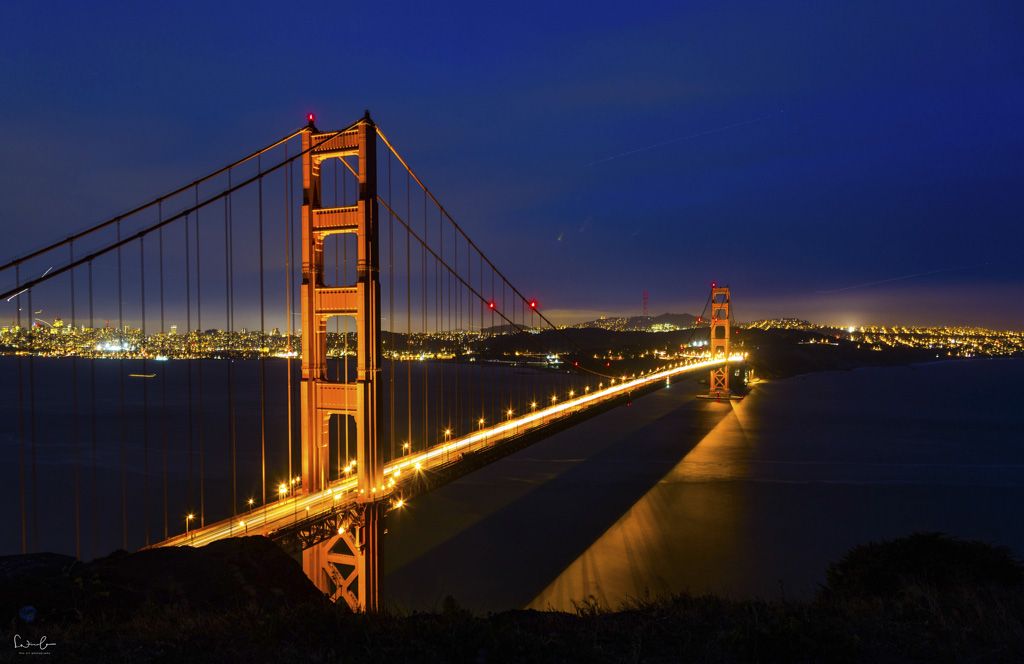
x=373, y=413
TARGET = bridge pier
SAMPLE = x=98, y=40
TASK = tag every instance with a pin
x=345, y=566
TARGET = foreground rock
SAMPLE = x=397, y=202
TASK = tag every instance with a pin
x=245, y=572
x=920, y=598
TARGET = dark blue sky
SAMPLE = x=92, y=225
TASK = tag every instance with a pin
x=849, y=162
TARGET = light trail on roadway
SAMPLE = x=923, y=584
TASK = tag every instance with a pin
x=290, y=509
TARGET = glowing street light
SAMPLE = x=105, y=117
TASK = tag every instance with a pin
x=188, y=520
x=243, y=524
x=481, y=422
x=405, y=447
x=447, y=434
x=282, y=490
x=533, y=405
x=508, y=413
x=251, y=501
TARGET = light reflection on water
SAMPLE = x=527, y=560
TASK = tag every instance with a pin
x=803, y=470
x=637, y=557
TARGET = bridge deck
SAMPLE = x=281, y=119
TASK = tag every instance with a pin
x=287, y=511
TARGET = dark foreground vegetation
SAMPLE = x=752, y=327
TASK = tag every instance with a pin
x=926, y=597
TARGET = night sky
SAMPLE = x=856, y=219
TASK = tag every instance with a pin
x=844, y=162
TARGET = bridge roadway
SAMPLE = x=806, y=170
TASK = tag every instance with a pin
x=288, y=510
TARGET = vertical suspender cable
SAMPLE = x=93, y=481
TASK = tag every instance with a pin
x=164, y=420
x=93, y=433
x=190, y=484
x=408, y=322
x=458, y=330
x=423, y=312
x=75, y=424
x=21, y=428
x=34, y=540
x=201, y=337
x=263, y=344
x=392, y=348
x=145, y=398
x=439, y=324
x=120, y=365
x=479, y=368
x=495, y=406
x=145, y=394
x=288, y=304
x=229, y=288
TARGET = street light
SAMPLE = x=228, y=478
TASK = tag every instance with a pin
x=447, y=434
x=533, y=405
x=243, y=524
x=188, y=520
x=405, y=447
x=481, y=422
x=509, y=413
x=251, y=501
x=282, y=490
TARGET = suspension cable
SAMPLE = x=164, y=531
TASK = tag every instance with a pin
x=454, y=223
x=156, y=201
x=121, y=241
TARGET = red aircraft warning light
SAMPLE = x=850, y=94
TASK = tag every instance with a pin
x=490, y=305
x=311, y=118
x=533, y=304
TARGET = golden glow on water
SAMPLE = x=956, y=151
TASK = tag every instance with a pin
x=640, y=555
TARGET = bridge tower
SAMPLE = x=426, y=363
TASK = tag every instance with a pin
x=719, y=380
x=345, y=566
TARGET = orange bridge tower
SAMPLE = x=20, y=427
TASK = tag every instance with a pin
x=719, y=380
x=345, y=564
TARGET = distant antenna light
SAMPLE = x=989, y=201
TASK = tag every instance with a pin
x=714, y=284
